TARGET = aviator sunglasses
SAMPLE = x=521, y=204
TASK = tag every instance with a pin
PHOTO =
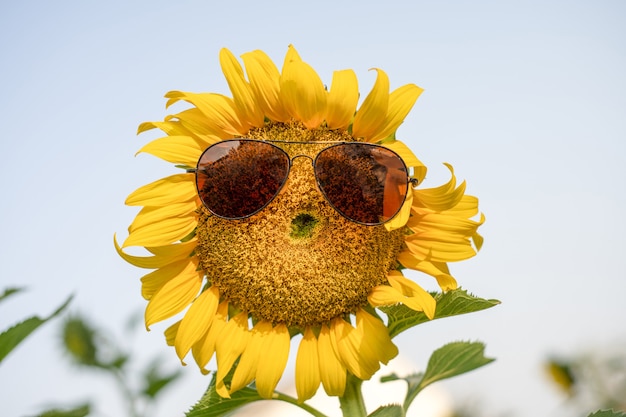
x=364, y=182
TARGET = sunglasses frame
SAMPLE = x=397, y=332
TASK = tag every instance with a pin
x=410, y=181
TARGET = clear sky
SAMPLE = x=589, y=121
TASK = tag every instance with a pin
x=526, y=99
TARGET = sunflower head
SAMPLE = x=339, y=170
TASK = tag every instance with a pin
x=300, y=264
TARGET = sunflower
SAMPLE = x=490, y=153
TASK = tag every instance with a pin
x=297, y=267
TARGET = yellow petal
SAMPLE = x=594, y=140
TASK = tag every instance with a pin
x=307, y=367
x=173, y=297
x=167, y=231
x=342, y=99
x=193, y=126
x=150, y=215
x=411, y=290
x=219, y=111
x=247, y=109
x=176, y=149
x=400, y=219
x=247, y=366
x=467, y=207
x=444, y=197
x=170, y=333
x=151, y=283
x=439, y=270
x=265, y=83
x=373, y=348
x=478, y=241
x=438, y=246
x=409, y=158
x=401, y=102
x=375, y=337
x=163, y=256
x=203, y=349
x=372, y=113
x=231, y=343
x=171, y=128
x=291, y=55
x=256, y=352
x=176, y=188
x=199, y=126
x=332, y=371
x=351, y=350
x=444, y=222
x=271, y=368
x=197, y=320
x=303, y=93
x=384, y=295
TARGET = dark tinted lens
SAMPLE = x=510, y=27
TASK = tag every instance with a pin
x=366, y=183
x=237, y=178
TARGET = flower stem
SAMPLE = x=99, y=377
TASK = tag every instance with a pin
x=291, y=400
x=352, y=404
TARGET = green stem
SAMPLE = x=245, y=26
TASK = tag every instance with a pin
x=126, y=391
x=352, y=404
x=291, y=400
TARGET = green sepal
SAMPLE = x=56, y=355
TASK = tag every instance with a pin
x=450, y=360
x=185, y=167
x=451, y=303
x=392, y=410
x=607, y=413
x=13, y=336
x=212, y=405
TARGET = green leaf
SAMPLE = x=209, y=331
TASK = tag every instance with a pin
x=453, y=359
x=212, y=405
x=449, y=360
x=393, y=410
x=13, y=336
x=80, y=411
x=451, y=303
x=10, y=291
x=607, y=413
x=413, y=382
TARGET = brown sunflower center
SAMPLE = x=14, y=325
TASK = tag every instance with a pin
x=297, y=261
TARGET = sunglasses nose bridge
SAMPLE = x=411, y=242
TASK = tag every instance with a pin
x=301, y=167
x=302, y=155
x=303, y=179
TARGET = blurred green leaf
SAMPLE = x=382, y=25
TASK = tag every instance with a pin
x=79, y=340
x=13, y=336
x=453, y=359
x=80, y=411
x=155, y=379
x=10, y=291
x=562, y=374
x=119, y=361
x=393, y=410
x=451, y=303
x=607, y=413
x=212, y=405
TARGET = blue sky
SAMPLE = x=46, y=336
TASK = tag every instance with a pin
x=525, y=99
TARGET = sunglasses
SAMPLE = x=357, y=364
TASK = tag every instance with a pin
x=364, y=182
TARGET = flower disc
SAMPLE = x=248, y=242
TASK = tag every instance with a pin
x=298, y=261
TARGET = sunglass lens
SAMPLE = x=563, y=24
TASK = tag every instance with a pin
x=237, y=178
x=366, y=183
